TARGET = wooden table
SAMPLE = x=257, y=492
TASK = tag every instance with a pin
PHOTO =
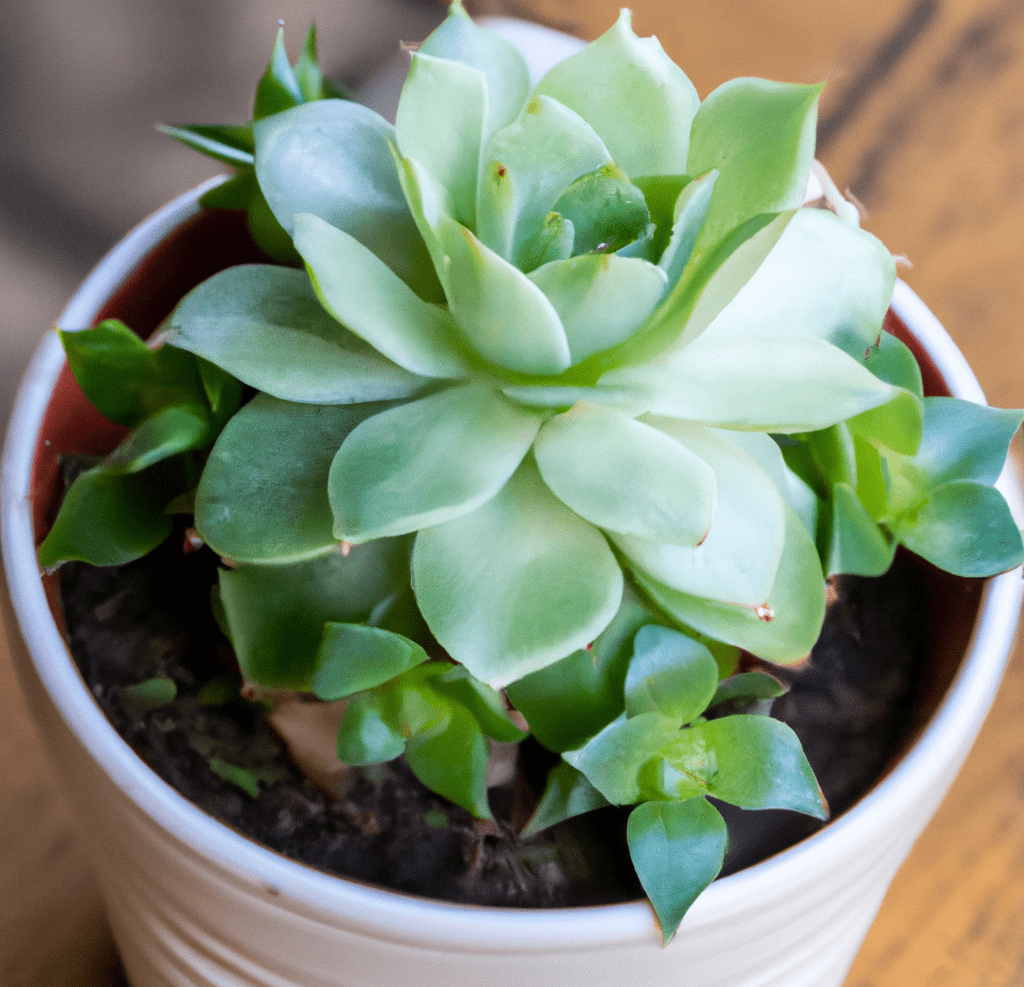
x=923, y=118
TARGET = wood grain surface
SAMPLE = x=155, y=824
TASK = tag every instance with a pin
x=923, y=119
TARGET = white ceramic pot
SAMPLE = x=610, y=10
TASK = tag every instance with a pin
x=194, y=903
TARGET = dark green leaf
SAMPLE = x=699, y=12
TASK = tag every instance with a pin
x=570, y=701
x=894, y=362
x=964, y=441
x=110, y=519
x=757, y=686
x=567, y=794
x=607, y=212
x=755, y=762
x=279, y=89
x=963, y=527
x=857, y=545
x=453, y=761
x=165, y=433
x=231, y=144
x=670, y=674
x=276, y=613
x=483, y=702
x=677, y=850
x=235, y=193
x=144, y=697
x=354, y=657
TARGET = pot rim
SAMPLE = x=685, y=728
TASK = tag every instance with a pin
x=932, y=761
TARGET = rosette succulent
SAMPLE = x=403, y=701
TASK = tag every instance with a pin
x=568, y=402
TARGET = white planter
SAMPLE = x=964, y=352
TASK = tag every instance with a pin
x=194, y=903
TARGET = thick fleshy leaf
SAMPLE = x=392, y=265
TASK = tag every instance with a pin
x=824, y=278
x=508, y=79
x=428, y=202
x=759, y=135
x=614, y=760
x=566, y=795
x=670, y=674
x=428, y=461
x=707, y=285
x=963, y=527
x=367, y=735
x=758, y=763
x=263, y=493
x=275, y=614
x=627, y=476
x=440, y=123
x=534, y=582
x=857, y=545
x=898, y=424
x=110, y=519
x=527, y=166
x=600, y=298
x=368, y=298
x=633, y=95
x=782, y=630
x=278, y=89
x=771, y=384
x=891, y=360
x=265, y=325
x=332, y=158
x=504, y=316
x=737, y=560
x=677, y=850
x=231, y=145
x=570, y=701
x=354, y=657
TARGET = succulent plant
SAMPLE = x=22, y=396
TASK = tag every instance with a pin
x=569, y=398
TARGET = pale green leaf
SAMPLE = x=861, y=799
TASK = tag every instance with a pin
x=633, y=95
x=737, y=560
x=759, y=136
x=426, y=462
x=527, y=166
x=482, y=701
x=824, y=278
x=782, y=630
x=367, y=733
x=263, y=493
x=748, y=686
x=606, y=211
x=368, y=298
x=332, y=158
x=534, y=582
x=689, y=213
x=440, y=123
x=627, y=476
x=265, y=325
x=163, y=434
x=505, y=317
x=600, y=298
x=677, y=850
x=773, y=384
x=508, y=79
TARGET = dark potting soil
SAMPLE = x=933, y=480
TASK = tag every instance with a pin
x=850, y=704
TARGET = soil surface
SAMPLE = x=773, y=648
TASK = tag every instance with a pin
x=851, y=705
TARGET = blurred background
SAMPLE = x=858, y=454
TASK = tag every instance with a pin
x=922, y=118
